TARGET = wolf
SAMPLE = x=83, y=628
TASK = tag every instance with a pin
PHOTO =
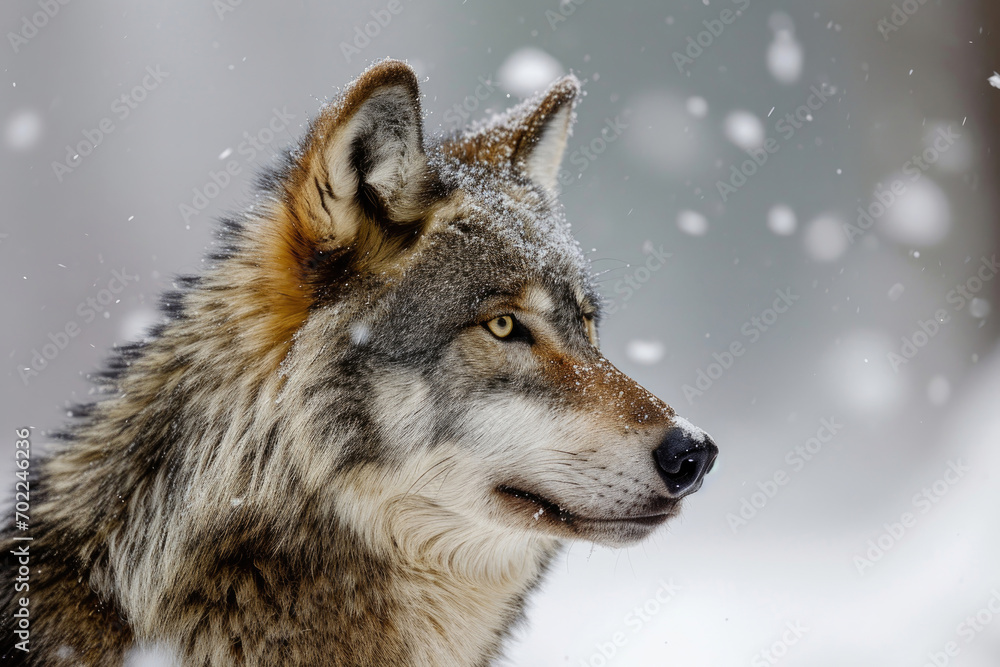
x=360, y=436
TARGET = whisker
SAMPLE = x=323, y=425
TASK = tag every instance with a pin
x=443, y=471
x=441, y=462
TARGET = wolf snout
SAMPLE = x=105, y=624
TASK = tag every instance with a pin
x=683, y=459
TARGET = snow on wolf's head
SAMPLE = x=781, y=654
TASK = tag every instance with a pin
x=442, y=375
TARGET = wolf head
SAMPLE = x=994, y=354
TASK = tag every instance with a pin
x=419, y=342
x=445, y=356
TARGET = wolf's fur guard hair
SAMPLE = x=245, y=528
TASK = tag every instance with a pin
x=326, y=454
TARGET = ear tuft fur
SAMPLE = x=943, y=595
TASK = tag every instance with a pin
x=529, y=138
x=362, y=172
x=355, y=193
x=381, y=152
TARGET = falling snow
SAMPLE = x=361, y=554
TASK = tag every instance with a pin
x=697, y=106
x=920, y=216
x=979, y=308
x=744, y=129
x=24, y=130
x=784, y=57
x=781, y=220
x=692, y=222
x=528, y=71
x=646, y=352
x=824, y=239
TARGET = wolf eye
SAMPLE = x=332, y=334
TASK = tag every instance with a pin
x=509, y=330
x=502, y=326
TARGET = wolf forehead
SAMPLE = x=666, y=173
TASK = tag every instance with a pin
x=493, y=252
x=500, y=236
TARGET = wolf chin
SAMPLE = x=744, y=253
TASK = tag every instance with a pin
x=362, y=433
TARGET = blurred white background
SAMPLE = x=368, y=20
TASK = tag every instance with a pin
x=739, y=137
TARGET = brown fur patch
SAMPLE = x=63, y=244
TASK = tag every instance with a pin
x=288, y=267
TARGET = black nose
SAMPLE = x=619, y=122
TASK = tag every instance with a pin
x=683, y=460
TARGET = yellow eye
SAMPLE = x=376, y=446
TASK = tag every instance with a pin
x=501, y=326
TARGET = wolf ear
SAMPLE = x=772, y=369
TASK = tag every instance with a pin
x=350, y=199
x=530, y=138
x=361, y=173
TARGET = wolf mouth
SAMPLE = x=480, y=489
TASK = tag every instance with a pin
x=545, y=508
